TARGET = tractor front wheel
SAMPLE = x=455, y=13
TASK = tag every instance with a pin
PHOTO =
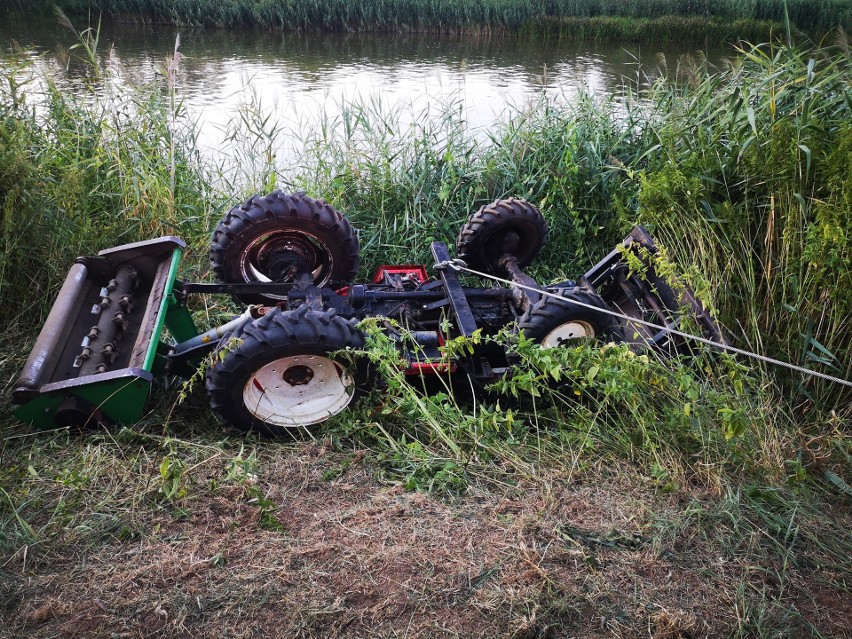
x=510, y=227
x=560, y=321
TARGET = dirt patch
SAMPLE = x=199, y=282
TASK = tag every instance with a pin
x=349, y=557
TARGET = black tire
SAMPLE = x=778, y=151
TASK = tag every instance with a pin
x=505, y=226
x=556, y=321
x=261, y=239
x=244, y=368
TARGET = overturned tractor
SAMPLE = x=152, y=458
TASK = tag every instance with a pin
x=292, y=260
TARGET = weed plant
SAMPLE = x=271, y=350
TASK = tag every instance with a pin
x=77, y=173
x=740, y=172
x=779, y=236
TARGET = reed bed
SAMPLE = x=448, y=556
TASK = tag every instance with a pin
x=442, y=16
x=654, y=30
x=751, y=160
x=749, y=150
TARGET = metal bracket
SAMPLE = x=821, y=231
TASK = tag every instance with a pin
x=448, y=268
x=455, y=264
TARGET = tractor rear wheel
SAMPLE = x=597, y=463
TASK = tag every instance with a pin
x=279, y=374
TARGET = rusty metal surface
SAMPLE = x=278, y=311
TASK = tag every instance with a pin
x=43, y=357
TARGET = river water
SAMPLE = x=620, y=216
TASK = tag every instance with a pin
x=300, y=79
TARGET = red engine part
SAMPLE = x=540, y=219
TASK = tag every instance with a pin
x=386, y=274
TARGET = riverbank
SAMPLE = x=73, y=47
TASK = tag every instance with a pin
x=663, y=20
x=663, y=29
x=702, y=497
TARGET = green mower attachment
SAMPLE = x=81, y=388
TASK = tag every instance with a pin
x=99, y=349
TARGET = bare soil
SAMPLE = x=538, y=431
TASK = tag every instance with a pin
x=551, y=556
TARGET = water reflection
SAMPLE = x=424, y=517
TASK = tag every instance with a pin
x=298, y=76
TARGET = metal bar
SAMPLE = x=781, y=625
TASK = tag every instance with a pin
x=268, y=288
x=161, y=312
x=437, y=304
x=432, y=293
x=437, y=294
x=615, y=256
x=207, y=341
x=465, y=321
x=528, y=295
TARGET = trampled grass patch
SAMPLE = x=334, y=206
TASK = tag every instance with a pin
x=603, y=550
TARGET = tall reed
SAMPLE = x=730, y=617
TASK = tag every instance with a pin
x=441, y=15
x=80, y=172
x=749, y=183
x=740, y=172
x=662, y=29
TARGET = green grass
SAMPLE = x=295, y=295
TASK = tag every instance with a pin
x=732, y=474
x=492, y=16
x=663, y=29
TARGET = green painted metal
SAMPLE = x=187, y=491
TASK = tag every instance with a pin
x=179, y=321
x=122, y=397
x=161, y=360
x=40, y=411
x=122, y=400
x=168, y=296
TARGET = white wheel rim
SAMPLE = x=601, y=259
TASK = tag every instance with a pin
x=298, y=391
x=568, y=332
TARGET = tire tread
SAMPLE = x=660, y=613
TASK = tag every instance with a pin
x=287, y=209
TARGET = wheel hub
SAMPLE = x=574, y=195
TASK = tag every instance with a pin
x=282, y=255
x=298, y=375
x=299, y=390
x=571, y=331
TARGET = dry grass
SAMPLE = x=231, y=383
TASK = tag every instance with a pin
x=603, y=555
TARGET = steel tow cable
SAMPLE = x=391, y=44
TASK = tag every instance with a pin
x=460, y=265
